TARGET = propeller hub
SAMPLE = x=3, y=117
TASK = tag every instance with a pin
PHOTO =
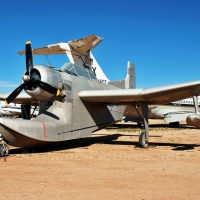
x=31, y=79
x=26, y=78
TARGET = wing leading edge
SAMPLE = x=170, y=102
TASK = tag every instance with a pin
x=157, y=95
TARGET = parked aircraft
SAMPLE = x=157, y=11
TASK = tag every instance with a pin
x=172, y=113
x=10, y=111
x=14, y=110
x=73, y=103
x=179, y=110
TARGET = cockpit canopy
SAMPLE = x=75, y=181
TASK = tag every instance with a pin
x=78, y=71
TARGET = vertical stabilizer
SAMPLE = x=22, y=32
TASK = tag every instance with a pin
x=130, y=81
x=98, y=71
x=80, y=54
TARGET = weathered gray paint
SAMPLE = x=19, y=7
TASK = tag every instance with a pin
x=64, y=118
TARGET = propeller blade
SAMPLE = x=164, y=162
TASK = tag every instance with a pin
x=14, y=94
x=47, y=87
x=29, y=58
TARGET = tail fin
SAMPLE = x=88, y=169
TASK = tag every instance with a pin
x=98, y=71
x=130, y=80
x=81, y=55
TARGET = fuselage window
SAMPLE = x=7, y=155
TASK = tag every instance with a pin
x=86, y=74
x=79, y=70
x=92, y=76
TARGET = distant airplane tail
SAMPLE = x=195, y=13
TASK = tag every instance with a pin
x=84, y=57
x=130, y=81
x=98, y=71
x=79, y=53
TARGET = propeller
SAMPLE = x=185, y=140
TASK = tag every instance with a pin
x=31, y=78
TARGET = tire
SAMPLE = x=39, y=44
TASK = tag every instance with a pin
x=4, y=150
x=143, y=143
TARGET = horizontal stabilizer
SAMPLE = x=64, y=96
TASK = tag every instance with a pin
x=118, y=84
x=77, y=47
x=129, y=82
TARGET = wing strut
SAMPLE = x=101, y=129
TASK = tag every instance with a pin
x=195, y=99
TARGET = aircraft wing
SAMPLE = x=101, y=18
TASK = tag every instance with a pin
x=157, y=95
x=81, y=46
x=21, y=99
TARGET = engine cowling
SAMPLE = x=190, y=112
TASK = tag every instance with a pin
x=47, y=75
x=193, y=120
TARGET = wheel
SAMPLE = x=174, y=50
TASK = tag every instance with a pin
x=142, y=140
x=4, y=150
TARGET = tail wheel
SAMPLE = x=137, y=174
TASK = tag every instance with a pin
x=142, y=140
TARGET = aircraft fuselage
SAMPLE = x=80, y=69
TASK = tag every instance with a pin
x=62, y=118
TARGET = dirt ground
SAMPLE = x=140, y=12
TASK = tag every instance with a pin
x=108, y=165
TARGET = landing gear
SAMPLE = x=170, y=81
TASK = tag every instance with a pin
x=142, y=140
x=4, y=150
x=144, y=131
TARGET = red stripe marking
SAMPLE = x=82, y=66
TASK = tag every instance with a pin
x=44, y=130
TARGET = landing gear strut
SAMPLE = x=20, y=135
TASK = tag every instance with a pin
x=4, y=150
x=144, y=131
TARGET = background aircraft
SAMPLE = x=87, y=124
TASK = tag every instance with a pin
x=74, y=102
x=171, y=113
x=14, y=110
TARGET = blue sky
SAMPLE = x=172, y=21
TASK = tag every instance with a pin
x=161, y=37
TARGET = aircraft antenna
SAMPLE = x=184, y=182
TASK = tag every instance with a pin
x=48, y=59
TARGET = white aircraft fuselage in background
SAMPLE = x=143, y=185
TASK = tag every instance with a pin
x=171, y=113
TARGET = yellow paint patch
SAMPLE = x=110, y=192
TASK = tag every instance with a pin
x=58, y=92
